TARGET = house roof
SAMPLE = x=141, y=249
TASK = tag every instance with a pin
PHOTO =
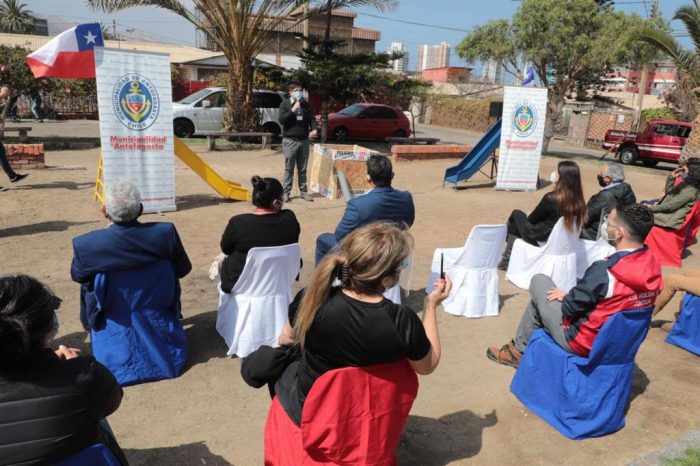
x=178, y=53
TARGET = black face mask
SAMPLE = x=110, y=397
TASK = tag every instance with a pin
x=601, y=181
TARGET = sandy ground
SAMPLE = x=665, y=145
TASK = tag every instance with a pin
x=464, y=413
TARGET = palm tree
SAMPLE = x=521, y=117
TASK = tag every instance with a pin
x=240, y=29
x=15, y=18
x=687, y=60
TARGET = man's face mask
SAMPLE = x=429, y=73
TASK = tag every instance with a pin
x=298, y=95
x=610, y=232
x=601, y=181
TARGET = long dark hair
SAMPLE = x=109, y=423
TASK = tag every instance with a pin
x=27, y=316
x=569, y=195
x=265, y=191
x=693, y=178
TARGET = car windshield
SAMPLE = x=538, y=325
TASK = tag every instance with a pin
x=190, y=99
x=352, y=110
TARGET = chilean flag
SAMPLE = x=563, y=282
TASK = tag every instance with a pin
x=69, y=54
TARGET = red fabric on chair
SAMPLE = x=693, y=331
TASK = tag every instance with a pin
x=352, y=416
x=668, y=244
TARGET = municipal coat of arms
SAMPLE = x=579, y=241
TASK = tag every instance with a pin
x=524, y=119
x=135, y=102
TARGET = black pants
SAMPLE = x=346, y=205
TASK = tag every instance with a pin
x=5, y=163
x=518, y=226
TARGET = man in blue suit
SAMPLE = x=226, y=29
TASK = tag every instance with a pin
x=381, y=203
x=126, y=244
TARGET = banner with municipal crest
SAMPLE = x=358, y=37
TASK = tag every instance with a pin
x=134, y=97
x=522, y=131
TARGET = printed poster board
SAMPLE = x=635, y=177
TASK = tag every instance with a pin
x=134, y=99
x=328, y=159
x=522, y=131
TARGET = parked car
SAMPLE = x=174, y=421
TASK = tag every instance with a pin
x=367, y=121
x=661, y=141
x=202, y=113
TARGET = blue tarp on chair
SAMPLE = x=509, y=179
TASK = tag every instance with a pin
x=138, y=335
x=686, y=331
x=583, y=397
x=95, y=455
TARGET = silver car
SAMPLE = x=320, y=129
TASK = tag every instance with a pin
x=202, y=113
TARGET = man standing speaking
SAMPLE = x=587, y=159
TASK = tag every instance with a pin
x=298, y=124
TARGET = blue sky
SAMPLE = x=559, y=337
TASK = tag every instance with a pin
x=457, y=15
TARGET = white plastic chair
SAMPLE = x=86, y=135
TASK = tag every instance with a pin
x=587, y=252
x=393, y=294
x=556, y=259
x=255, y=311
x=472, y=269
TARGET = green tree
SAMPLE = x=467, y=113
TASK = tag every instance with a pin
x=578, y=41
x=687, y=61
x=15, y=74
x=15, y=18
x=241, y=29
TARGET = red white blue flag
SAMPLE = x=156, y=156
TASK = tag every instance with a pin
x=69, y=54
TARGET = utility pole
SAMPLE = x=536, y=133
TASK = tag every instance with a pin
x=645, y=72
x=305, y=12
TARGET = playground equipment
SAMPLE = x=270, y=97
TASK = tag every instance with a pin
x=225, y=188
x=476, y=158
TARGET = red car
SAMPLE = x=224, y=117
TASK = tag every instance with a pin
x=661, y=141
x=367, y=121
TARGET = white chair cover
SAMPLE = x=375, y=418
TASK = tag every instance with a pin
x=473, y=272
x=587, y=252
x=255, y=311
x=394, y=294
x=556, y=259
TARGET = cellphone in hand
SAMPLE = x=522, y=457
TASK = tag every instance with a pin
x=442, y=264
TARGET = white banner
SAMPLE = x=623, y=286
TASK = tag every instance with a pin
x=134, y=98
x=522, y=130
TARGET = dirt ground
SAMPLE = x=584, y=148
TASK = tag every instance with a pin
x=464, y=413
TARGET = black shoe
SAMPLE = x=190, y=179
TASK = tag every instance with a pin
x=287, y=198
x=17, y=178
x=2, y=188
x=307, y=197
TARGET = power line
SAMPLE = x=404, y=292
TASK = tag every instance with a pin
x=417, y=24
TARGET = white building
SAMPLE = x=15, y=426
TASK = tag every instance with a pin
x=433, y=56
x=399, y=66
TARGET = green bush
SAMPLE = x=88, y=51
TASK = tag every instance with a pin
x=664, y=113
x=691, y=458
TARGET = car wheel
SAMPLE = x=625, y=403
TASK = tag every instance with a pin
x=628, y=155
x=273, y=128
x=183, y=128
x=399, y=133
x=341, y=134
x=650, y=163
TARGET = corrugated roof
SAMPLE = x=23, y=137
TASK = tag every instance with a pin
x=365, y=33
x=178, y=53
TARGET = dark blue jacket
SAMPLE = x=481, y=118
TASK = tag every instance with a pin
x=379, y=204
x=123, y=247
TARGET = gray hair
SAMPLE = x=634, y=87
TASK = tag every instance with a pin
x=615, y=171
x=123, y=201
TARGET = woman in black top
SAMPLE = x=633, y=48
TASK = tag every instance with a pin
x=52, y=403
x=267, y=226
x=355, y=325
x=566, y=200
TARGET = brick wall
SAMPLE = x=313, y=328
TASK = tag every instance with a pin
x=401, y=153
x=25, y=156
x=601, y=122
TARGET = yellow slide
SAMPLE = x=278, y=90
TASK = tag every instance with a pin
x=227, y=189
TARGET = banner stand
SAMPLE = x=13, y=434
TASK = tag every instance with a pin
x=99, y=195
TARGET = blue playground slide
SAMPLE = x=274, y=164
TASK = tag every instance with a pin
x=476, y=158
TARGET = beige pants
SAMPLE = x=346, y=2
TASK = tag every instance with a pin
x=688, y=280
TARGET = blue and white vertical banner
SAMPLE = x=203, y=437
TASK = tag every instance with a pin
x=134, y=97
x=522, y=131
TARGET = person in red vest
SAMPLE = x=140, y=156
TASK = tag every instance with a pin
x=628, y=279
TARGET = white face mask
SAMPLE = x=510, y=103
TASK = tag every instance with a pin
x=604, y=233
x=554, y=177
x=298, y=95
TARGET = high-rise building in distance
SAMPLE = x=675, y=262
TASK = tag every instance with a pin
x=400, y=65
x=433, y=56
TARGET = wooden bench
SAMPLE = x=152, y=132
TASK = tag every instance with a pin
x=266, y=138
x=23, y=132
x=413, y=140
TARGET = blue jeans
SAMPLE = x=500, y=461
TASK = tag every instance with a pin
x=324, y=244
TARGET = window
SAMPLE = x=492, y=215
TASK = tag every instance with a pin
x=215, y=99
x=372, y=113
x=266, y=100
x=684, y=131
x=194, y=97
x=386, y=113
x=353, y=110
x=666, y=130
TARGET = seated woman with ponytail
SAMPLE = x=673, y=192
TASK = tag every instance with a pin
x=354, y=324
x=52, y=403
x=269, y=225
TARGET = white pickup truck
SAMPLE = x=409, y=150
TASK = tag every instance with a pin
x=202, y=113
